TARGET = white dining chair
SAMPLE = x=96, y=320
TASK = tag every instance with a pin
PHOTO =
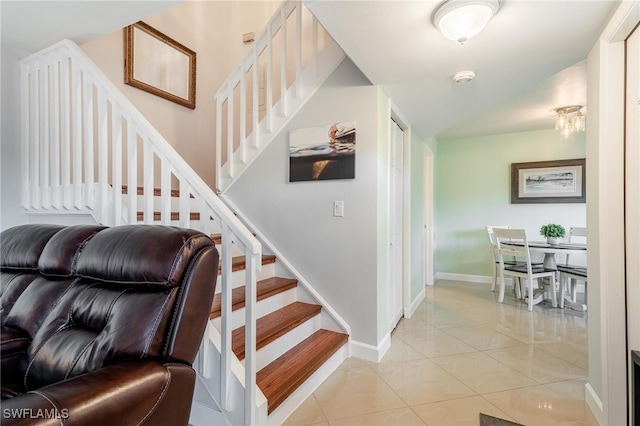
x=526, y=269
x=494, y=253
x=569, y=275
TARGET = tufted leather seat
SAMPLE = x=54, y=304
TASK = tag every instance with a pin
x=101, y=325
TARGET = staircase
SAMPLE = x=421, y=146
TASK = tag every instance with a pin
x=87, y=151
x=295, y=337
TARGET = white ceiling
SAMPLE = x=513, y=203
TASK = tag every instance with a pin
x=33, y=25
x=529, y=58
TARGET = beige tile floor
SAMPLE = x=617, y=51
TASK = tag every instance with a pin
x=460, y=354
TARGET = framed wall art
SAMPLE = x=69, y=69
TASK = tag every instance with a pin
x=560, y=181
x=323, y=152
x=157, y=64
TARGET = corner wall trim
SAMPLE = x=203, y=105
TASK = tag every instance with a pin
x=463, y=277
x=595, y=404
x=370, y=352
x=409, y=311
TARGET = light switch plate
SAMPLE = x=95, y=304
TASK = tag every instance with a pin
x=338, y=208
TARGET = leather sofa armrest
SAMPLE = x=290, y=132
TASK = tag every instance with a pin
x=129, y=393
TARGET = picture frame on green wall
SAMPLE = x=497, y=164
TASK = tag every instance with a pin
x=557, y=181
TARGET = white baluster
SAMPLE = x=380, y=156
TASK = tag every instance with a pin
x=225, y=317
x=230, y=112
x=76, y=119
x=283, y=63
x=268, y=84
x=117, y=164
x=250, y=365
x=165, y=191
x=103, y=155
x=88, y=139
x=255, y=129
x=219, y=143
x=184, y=202
x=65, y=131
x=34, y=136
x=56, y=183
x=44, y=134
x=298, y=51
x=24, y=136
x=243, y=114
x=132, y=172
x=314, y=47
x=147, y=170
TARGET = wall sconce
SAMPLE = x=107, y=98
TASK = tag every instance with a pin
x=459, y=20
x=569, y=119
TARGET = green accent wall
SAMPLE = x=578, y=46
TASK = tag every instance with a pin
x=472, y=190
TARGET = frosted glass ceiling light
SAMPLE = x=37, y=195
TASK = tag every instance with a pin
x=459, y=20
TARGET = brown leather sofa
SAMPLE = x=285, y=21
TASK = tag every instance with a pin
x=100, y=325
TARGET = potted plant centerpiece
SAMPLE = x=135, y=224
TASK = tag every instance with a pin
x=552, y=232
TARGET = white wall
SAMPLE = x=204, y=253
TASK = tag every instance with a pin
x=10, y=186
x=606, y=391
x=213, y=29
x=337, y=255
x=473, y=178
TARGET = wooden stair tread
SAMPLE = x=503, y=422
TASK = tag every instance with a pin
x=284, y=375
x=239, y=262
x=217, y=238
x=174, y=216
x=274, y=325
x=266, y=288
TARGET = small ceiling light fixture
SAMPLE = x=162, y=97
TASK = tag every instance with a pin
x=459, y=20
x=569, y=119
x=463, y=77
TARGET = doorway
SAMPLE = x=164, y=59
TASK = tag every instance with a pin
x=396, y=215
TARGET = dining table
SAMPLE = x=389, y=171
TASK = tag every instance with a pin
x=549, y=261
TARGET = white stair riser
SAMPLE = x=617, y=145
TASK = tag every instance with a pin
x=238, y=277
x=263, y=307
x=284, y=343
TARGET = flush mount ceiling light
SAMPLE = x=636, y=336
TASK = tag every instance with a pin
x=459, y=20
x=569, y=119
x=463, y=77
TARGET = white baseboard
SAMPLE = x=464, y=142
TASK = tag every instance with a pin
x=408, y=311
x=464, y=277
x=370, y=352
x=595, y=404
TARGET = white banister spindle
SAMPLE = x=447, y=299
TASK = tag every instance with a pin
x=230, y=112
x=147, y=170
x=298, y=51
x=132, y=173
x=314, y=47
x=243, y=115
x=56, y=171
x=24, y=136
x=184, y=201
x=87, y=109
x=116, y=160
x=255, y=99
x=225, y=316
x=268, y=84
x=76, y=120
x=65, y=132
x=250, y=364
x=103, y=154
x=205, y=215
x=165, y=191
x=283, y=62
x=219, y=142
x=45, y=143
x=33, y=137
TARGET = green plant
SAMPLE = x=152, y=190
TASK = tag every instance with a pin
x=552, y=230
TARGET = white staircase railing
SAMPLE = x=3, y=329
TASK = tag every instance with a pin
x=274, y=79
x=83, y=141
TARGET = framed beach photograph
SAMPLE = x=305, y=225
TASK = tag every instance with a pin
x=560, y=181
x=323, y=152
x=156, y=63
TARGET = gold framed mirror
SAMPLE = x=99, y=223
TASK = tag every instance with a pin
x=156, y=63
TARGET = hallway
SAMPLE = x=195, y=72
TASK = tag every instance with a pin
x=460, y=354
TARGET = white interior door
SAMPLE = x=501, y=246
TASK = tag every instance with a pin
x=396, y=141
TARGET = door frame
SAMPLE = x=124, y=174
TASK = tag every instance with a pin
x=396, y=115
